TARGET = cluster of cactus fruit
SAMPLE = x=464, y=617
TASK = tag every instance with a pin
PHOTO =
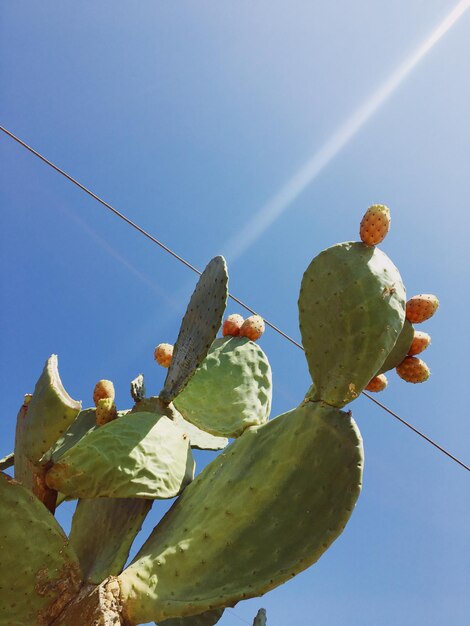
x=266, y=508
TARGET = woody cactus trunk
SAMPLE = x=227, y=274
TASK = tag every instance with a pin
x=268, y=506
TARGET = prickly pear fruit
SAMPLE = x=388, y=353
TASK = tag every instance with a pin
x=420, y=342
x=413, y=370
x=105, y=411
x=297, y=514
x=253, y=327
x=232, y=325
x=231, y=389
x=40, y=570
x=421, y=307
x=199, y=327
x=143, y=455
x=103, y=389
x=375, y=224
x=351, y=313
x=163, y=354
x=378, y=383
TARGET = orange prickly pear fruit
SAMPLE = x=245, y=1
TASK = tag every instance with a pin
x=103, y=389
x=421, y=307
x=378, y=383
x=105, y=411
x=232, y=325
x=252, y=327
x=163, y=354
x=375, y=224
x=420, y=342
x=413, y=370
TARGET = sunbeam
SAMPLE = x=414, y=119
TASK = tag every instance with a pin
x=292, y=189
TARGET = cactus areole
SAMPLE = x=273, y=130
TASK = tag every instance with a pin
x=266, y=508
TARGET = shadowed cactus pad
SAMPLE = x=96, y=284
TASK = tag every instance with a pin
x=102, y=533
x=139, y=455
x=198, y=328
x=400, y=349
x=351, y=312
x=208, y=618
x=264, y=510
x=199, y=439
x=231, y=390
x=40, y=573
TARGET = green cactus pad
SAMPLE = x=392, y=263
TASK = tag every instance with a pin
x=351, y=312
x=102, y=533
x=140, y=455
x=400, y=349
x=208, y=618
x=231, y=389
x=40, y=573
x=46, y=417
x=198, y=328
x=199, y=439
x=264, y=510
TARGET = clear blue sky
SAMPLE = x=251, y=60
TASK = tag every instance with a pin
x=192, y=117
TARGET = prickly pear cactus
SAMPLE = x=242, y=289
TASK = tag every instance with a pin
x=262, y=511
x=240, y=372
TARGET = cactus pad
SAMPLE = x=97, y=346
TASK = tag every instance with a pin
x=139, y=455
x=46, y=417
x=208, y=618
x=262, y=511
x=400, y=349
x=199, y=439
x=40, y=573
x=198, y=328
x=351, y=311
x=102, y=533
x=231, y=390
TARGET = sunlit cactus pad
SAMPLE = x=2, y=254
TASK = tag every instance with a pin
x=351, y=312
x=139, y=455
x=231, y=390
x=265, y=509
x=40, y=573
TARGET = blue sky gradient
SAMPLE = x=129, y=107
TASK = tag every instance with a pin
x=190, y=117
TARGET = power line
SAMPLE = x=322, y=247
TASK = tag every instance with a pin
x=194, y=269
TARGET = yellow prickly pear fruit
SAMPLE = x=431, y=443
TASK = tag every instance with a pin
x=252, y=327
x=105, y=411
x=421, y=307
x=163, y=354
x=413, y=370
x=103, y=389
x=420, y=342
x=375, y=224
x=378, y=383
x=232, y=325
